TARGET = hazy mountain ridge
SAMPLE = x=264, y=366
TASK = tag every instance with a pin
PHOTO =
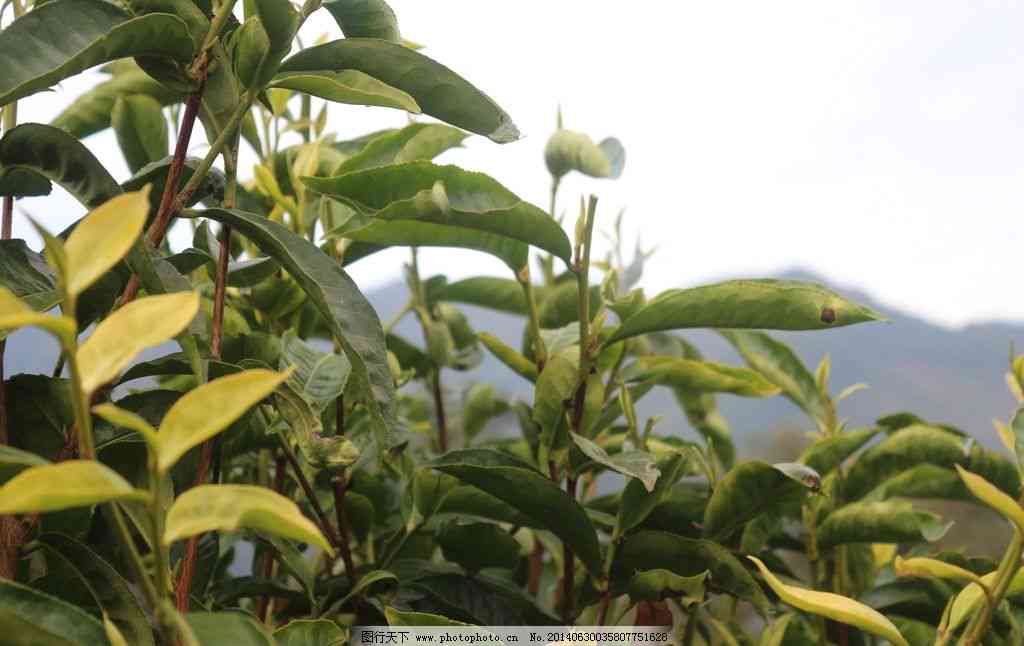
x=944, y=375
x=955, y=376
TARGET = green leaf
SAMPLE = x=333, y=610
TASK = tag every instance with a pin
x=111, y=592
x=499, y=294
x=415, y=142
x=704, y=376
x=763, y=304
x=366, y=582
x=350, y=317
x=155, y=174
x=248, y=273
x=567, y=151
x=39, y=412
x=400, y=618
x=910, y=446
x=439, y=92
x=40, y=41
x=58, y=157
x=103, y=238
x=320, y=377
x=556, y=386
x=782, y=367
x=655, y=585
x=90, y=112
x=649, y=550
x=638, y=501
x=829, y=452
x=560, y=305
x=633, y=464
x=209, y=409
x=346, y=86
x=68, y=484
x=461, y=543
x=19, y=182
x=921, y=481
x=365, y=19
x=879, y=522
x=307, y=632
x=230, y=508
x=402, y=206
x=482, y=404
x=281, y=21
x=744, y=493
x=141, y=324
x=775, y=633
x=832, y=606
x=222, y=628
x=332, y=453
x=480, y=599
x=141, y=129
x=516, y=362
x=36, y=618
x=522, y=487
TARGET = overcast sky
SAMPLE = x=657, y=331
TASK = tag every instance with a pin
x=876, y=143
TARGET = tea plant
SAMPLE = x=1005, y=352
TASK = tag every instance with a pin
x=296, y=468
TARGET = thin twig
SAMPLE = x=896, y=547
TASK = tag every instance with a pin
x=163, y=214
x=325, y=525
x=345, y=536
x=280, y=464
x=442, y=422
x=569, y=558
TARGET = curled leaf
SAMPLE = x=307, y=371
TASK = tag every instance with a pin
x=832, y=606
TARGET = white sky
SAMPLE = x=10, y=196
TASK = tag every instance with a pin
x=879, y=144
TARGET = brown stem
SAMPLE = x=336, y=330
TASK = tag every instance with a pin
x=318, y=510
x=280, y=464
x=8, y=217
x=602, y=612
x=569, y=576
x=164, y=213
x=11, y=531
x=340, y=486
x=188, y=563
x=442, y=424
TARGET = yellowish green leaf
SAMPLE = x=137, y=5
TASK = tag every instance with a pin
x=229, y=508
x=968, y=599
x=68, y=484
x=209, y=409
x=103, y=238
x=920, y=566
x=832, y=606
x=113, y=634
x=15, y=313
x=989, y=494
x=139, y=325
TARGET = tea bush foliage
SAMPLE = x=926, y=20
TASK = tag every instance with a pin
x=291, y=467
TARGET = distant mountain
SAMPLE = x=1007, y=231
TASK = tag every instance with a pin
x=945, y=375
x=954, y=376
